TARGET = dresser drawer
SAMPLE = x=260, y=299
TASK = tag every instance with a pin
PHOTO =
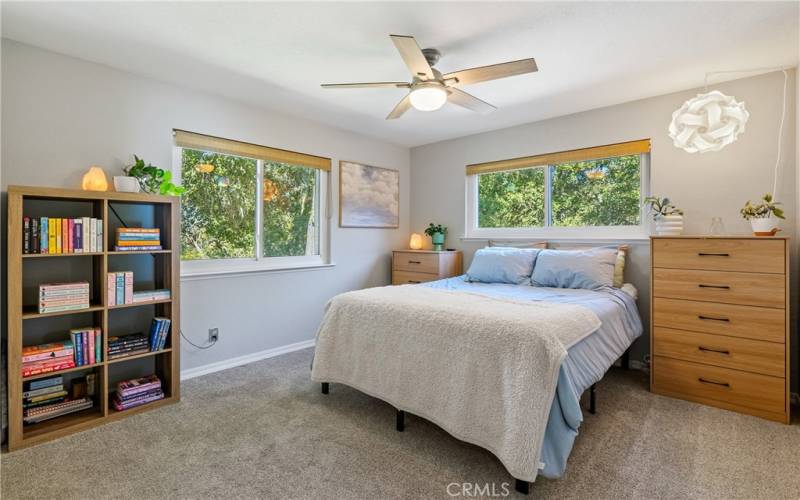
x=718, y=254
x=407, y=277
x=692, y=380
x=766, y=290
x=759, y=323
x=416, y=262
x=767, y=358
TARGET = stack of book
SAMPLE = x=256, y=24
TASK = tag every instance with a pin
x=151, y=295
x=158, y=333
x=53, y=235
x=88, y=344
x=46, y=358
x=136, y=392
x=35, y=415
x=128, y=345
x=138, y=239
x=43, y=392
x=120, y=288
x=56, y=297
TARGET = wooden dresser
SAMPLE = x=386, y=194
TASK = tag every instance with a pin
x=719, y=322
x=419, y=266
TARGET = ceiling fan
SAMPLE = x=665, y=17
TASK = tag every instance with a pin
x=430, y=89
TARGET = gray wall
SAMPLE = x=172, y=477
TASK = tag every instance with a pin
x=61, y=115
x=704, y=185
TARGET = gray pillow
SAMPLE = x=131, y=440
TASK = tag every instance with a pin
x=503, y=265
x=591, y=268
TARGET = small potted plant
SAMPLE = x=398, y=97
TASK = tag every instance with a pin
x=437, y=234
x=763, y=216
x=668, y=217
x=151, y=179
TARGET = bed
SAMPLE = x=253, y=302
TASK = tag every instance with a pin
x=598, y=326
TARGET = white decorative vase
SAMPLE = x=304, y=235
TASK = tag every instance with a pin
x=126, y=184
x=764, y=226
x=669, y=225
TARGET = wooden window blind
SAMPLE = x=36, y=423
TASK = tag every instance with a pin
x=594, y=153
x=202, y=142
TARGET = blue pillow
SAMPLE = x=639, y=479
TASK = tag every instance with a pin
x=591, y=268
x=503, y=265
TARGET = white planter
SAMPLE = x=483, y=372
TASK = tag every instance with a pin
x=669, y=225
x=126, y=184
x=764, y=226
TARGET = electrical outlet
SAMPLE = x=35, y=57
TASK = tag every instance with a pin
x=213, y=334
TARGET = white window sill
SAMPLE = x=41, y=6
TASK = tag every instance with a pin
x=252, y=269
x=626, y=238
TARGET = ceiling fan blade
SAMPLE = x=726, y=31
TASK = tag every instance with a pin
x=413, y=56
x=402, y=106
x=373, y=85
x=461, y=98
x=492, y=72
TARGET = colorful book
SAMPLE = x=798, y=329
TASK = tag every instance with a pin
x=42, y=382
x=120, y=288
x=57, y=235
x=44, y=390
x=98, y=345
x=64, y=235
x=26, y=235
x=51, y=235
x=40, y=369
x=129, y=287
x=35, y=236
x=111, y=289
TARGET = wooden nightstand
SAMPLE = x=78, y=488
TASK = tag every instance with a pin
x=419, y=266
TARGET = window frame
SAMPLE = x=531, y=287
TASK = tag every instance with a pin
x=260, y=263
x=639, y=231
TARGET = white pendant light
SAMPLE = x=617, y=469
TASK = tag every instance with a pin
x=708, y=122
x=428, y=97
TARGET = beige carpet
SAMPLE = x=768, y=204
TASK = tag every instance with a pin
x=265, y=431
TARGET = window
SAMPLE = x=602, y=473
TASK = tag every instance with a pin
x=591, y=192
x=249, y=207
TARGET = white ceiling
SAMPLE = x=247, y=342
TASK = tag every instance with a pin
x=275, y=55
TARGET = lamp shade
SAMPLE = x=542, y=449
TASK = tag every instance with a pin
x=416, y=242
x=708, y=122
x=94, y=180
x=428, y=97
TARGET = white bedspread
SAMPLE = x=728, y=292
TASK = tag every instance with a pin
x=483, y=368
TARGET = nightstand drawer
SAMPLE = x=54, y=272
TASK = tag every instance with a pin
x=766, y=358
x=416, y=262
x=406, y=277
x=759, y=323
x=696, y=381
x=747, y=255
x=766, y=290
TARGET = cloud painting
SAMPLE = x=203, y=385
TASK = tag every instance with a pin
x=368, y=196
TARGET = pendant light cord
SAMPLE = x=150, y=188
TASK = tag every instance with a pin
x=783, y=111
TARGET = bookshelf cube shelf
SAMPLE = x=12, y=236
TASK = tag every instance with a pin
x=27, y=327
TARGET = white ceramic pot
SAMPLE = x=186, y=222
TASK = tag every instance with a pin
x=126, y=184
x=669, y=225
x=764, y=226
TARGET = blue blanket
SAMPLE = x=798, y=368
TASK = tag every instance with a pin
x=586, y=362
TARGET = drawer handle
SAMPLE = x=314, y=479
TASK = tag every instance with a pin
x=710, y=349
x=414, y=262
x=414, y=281
x=704, y=381
x=710, y=254
x=710, y=318
x=721, y=287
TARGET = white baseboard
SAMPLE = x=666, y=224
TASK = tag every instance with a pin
x=243, y=360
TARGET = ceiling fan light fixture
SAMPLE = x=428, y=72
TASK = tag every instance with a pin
x=428, y=97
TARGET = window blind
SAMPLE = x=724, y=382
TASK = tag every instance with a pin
x=202, y=142
x=594, y=153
